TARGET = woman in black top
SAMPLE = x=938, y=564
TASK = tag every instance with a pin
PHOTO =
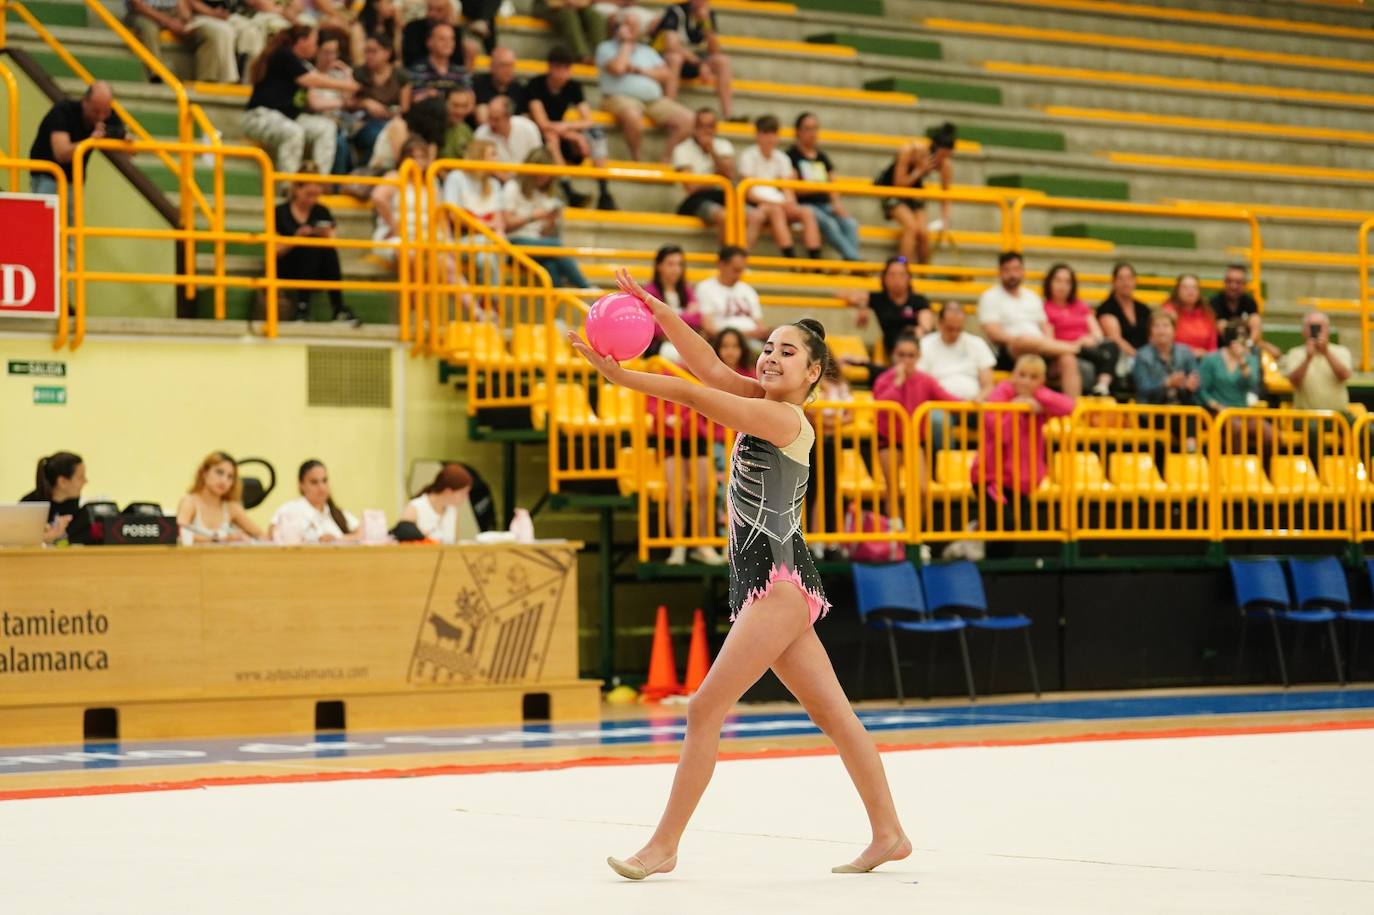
x=303, y=216
x=895, y=305
x=1125, y=320
x=59, y=482
x=909, y=169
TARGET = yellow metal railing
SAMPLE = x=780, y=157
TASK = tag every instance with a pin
x=11, y=118
x=1355, y=471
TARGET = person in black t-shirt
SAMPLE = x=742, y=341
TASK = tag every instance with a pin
x=909, y=169
x=896, y=306
x=812, y=164
x=548, y=99
x=303, y=216
x=688, y=38
x=1235, y=302
x=65, y=125
x=1125, y=319
x=500, y=79
x=59, y=482
x=275, y=115
x=415, y=35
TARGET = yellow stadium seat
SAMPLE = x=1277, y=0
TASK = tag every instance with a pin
x=1341, y=473
x=529, y=345
x=1241, y=475
x=618, y=409
x=570, y=405
x=478, y=342
x=864, y=421
x=1187, y=474
x=1134, y=473
x=654, y=481
x=848, y=346
x=953, y=469
x=854, y=479
x=1086, y=468
x=1293, y=475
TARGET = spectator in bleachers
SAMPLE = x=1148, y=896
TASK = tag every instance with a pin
x=907, y=385
x=577, y=24
x=812, y=164
x=706, y=153
x=615, y=9
x=479, y=16
x=274, y=117
x=548, y=99
x=331, y=103
x=458, y=132
x=302, y=215
x=514, y=135
x=631, y=76
x=206, y=27
x=533, y=217
x=1231, y=376
x=896, y=305
x=1165, y=372
x=909, y=169
x=392, y=206
x=434, y=510
x=670, y=285
x=1012, y=317
x=383, y=99
x=1073, y=322
x=960, y=361
x=440, y=71
x=1125, y=320
x=58, y=481
x=415, y=36
x=325, y=14
x=254, y=23
x=1235, y=301
x=726, y=300
x=212, y=509
x=732, y=348
x=1196, y=325
x=480, y=193
x=764, y=160
x=1318, y=369
x=67, y=123
x=313, y=518
x=500, y=79
x=379, y=19
x=689, y=39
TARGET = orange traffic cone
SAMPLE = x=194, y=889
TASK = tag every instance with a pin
x=662, y=668
x=698, y=655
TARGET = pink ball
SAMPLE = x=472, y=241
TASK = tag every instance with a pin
x=619, y=325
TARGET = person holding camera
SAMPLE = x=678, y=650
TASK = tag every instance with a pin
x=65, y=125
x=1318, y=369
x=303, y=216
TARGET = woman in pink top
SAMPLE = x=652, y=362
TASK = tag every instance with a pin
x=670, y=284
x=1195, y=325
x=904, y=385
x=1011, y=460
x=1074, y=322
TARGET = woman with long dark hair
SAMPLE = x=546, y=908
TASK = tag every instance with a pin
x=670, y=284
x=58, y=481
x=379, y=19
x=313, y=518
x=1073, y=322
x=775, y=593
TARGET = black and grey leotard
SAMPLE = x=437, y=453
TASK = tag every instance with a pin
x=766, y=501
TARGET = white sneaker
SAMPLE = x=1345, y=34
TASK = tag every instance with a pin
x=708, y=555
x=975, y=551
x=925, y=553
x=817, y=551
x=955, y=550
x=677, y=556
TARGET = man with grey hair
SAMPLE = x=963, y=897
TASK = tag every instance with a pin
x=1318, y=369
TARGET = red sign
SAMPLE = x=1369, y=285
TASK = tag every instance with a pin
x=28, y=256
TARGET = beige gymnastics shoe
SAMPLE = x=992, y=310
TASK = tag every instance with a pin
x=633, y=869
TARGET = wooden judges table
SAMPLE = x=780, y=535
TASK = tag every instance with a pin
x=261, y=639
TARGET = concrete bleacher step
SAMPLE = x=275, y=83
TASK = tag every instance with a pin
x=987, y=135
x=49, y=13
x=110, y=67
x=237, y=182
x=891, y=45
x=937, y=89
x=242, y=305
x=1063, y=186
x=1128, y=235
x=849, y=7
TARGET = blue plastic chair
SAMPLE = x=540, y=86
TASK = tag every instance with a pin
x=1262, y=594
x=957, y=587
x=889, y=598
x=1319, y=584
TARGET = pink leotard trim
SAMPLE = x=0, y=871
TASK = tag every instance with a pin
x=816, y=604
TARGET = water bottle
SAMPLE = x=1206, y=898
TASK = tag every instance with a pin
x=522, y=526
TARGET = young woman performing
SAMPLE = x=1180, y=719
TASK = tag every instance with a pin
x=775, y=592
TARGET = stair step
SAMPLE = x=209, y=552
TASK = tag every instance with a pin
x=1128, y=235
x=73, y=14
x=240, y=304
x=938, y=89
x=850, y=7
x=114, y=69
x=882, y=44
x=157, y=123
x=1047, y=140
x=1061, y=186
x=236, y=182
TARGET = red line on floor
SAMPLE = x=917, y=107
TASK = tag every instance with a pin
x=779, y=753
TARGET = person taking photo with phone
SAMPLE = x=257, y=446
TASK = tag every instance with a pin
x=302, y=215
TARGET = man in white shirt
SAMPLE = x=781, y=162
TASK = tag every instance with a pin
x=514, y=135
x=776, y=206
x=705, y=153
x=726, y=301
x=961, y=362
x=1012, y=317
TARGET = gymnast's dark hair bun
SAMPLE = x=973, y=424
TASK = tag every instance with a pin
x=811, y=324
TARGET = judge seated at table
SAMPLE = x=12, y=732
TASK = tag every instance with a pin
x=435, y=509
x=313, y=518
x=212, y=510
x=60, y=479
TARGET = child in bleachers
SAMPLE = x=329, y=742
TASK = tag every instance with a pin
x=1011, y=461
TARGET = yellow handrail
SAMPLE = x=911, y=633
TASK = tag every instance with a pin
x=11, y=112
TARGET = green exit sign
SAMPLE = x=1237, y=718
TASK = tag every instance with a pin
x=36, y=367
x=49, y=394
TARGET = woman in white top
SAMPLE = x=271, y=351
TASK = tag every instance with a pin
x=392, y=205
x=212, y=510
x=313, y=518
x=480, y=194
x=776, y=206
x=435, y=510
x=534, y=217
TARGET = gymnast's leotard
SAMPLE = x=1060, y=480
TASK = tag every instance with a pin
x=765, y=501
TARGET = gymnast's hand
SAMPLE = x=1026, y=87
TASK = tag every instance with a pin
x=607, y=366
x=629, y=286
